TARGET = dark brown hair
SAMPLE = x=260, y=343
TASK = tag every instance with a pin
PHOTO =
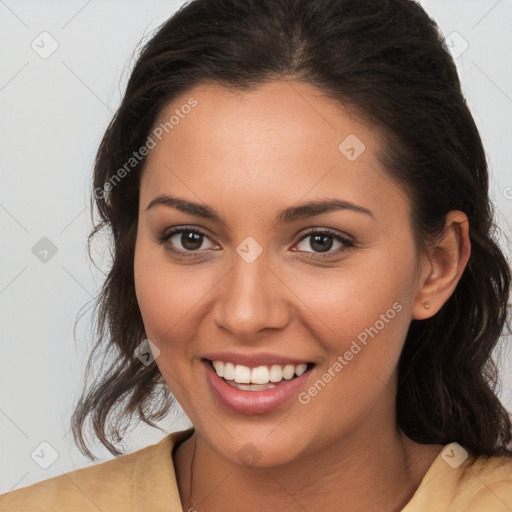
x=385, y=60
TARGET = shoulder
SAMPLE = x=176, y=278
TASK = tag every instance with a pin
x=84, y=489
x=460, y=481
x=489, y=484
x=118, y=484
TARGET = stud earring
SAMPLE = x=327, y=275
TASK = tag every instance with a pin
x=427, y=305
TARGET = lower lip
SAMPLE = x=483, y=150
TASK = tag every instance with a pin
x=253, y=402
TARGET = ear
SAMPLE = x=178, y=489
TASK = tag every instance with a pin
x=444, y=266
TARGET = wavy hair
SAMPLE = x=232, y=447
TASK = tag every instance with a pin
x=386, y=61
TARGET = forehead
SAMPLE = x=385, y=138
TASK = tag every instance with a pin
x=279, y=116
x=273, y=145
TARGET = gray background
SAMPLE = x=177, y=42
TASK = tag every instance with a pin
x=54, y=111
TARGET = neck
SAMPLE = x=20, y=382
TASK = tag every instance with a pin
x=373, y=467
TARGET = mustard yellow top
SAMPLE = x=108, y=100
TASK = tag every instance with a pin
x=145, y=481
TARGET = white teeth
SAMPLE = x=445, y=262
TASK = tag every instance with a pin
x=242, y=374
x=250, y=387
x=289, y=371
x=228, y=371
x=260, y=375
x=301, y=368
x=276, y=373
x=219, y=368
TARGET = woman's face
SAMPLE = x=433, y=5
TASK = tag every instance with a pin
x=260, y=288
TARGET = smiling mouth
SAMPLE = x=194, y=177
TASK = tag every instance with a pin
x=259, y=378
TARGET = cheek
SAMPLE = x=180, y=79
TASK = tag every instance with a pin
x=346, y=302
x=164, y=301
x=364, y=312
x=168, y=295
x=154, y=287
x=364, y=321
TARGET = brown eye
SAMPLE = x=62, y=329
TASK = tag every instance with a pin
x=190, y=240
x=185, y=240
x=321, y=242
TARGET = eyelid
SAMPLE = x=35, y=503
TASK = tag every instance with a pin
x=346, y=240
x=169, y=233
x=330, y=231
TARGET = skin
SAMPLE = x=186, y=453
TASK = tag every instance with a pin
x=249, y=155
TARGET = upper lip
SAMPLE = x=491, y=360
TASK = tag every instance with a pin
x=254, y=360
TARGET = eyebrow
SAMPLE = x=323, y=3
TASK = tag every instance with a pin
x=287, y=215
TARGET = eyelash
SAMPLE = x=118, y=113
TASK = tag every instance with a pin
x=162, y=239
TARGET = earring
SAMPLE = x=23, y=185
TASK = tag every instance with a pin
x=427, y=305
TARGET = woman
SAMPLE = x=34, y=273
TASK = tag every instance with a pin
x=303, y=256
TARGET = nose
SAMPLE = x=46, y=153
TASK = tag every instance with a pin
x=253, y=298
